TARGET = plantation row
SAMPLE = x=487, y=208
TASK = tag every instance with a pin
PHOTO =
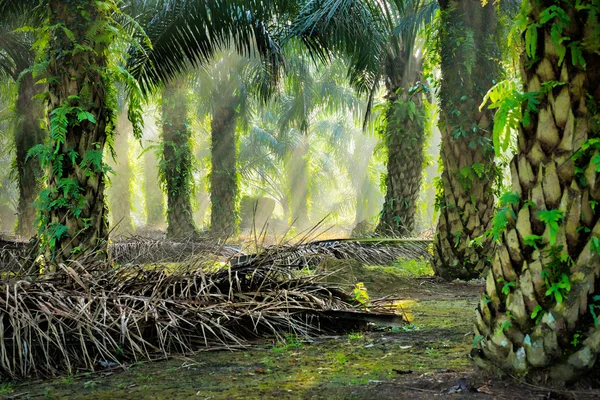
x=304, y=75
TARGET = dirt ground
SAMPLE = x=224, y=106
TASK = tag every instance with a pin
x=426, y=359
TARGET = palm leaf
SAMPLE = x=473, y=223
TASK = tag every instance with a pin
x=188, y=32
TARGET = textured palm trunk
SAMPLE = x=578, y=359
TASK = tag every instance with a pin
x=28, y=133
x=177, y=161
x=469, y=54
x=223, y=177
x=120, y=192
x=522, y=326
x=404, y=141
x=155, y=207
x=74, y=210
x=298, y=177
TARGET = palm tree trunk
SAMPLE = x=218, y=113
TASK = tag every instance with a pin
x=119, y=192
x=223, y=177
x=298, y=177
x=177, y=163
x=469, y=54
x=539, y=314
x=155, y=208
x=28, y=133
x=404, y=140
x=74, y=215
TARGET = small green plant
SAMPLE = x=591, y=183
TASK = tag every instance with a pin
x=267, y=362
x=506, y=325
x=291, y=341
x=551, y=218
x=360, y=294
x=355, y=336
x=537, y=313
x=504, y=213
x=433, y=352
x=145, y=377
x=89, y=384
x=532, y=240
x=67, y=380
x=476, y=340
x=575, y=340
x=556, y=273
x=340, y=358
x=408, y=328
x=6, y=388
x=506, y=286
x=593, y=308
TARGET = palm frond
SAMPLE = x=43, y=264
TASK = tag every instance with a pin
x=188, y=32
x=416, y=14
x=345, y=27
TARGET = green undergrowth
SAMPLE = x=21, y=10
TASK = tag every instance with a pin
x=411, y=267
x=340, y=367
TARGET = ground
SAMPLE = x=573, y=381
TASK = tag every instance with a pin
x=423, y=360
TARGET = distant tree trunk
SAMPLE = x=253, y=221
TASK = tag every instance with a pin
x=28, y=133
x=404, y=140
x=74, y=210
x=223, y=177
x=119, y=192
x=469, y=53
x=539, y=315
x=155, y=207
x=298, y=178
x=177, y=163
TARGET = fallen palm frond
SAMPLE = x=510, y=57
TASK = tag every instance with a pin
x=76, y=319
x=140, y=250
x=13, y=254
x=134, y=250
x=367, y=251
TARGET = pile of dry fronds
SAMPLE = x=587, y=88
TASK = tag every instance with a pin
x=367, y=251
x=76, y=319
x=132, y=250
x=142, y=250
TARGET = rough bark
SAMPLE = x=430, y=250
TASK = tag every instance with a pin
x=155, y=207
x=469, y=54
x=404, y=139
x=28, y=133
x=521, y=326
x=223, y=177
x=75, y=214
x=120, y=192
x=177, y=161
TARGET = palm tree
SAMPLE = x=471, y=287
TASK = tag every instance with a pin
x=389, y=53
x=539, y=315
x=8, y=191
x=153, y=195
x=119, y=193
x=16, y=60
x=470, y=65
x=176, y=165
x=315, y=110
x=223, y=87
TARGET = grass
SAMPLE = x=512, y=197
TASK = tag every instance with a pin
x=412, y=268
